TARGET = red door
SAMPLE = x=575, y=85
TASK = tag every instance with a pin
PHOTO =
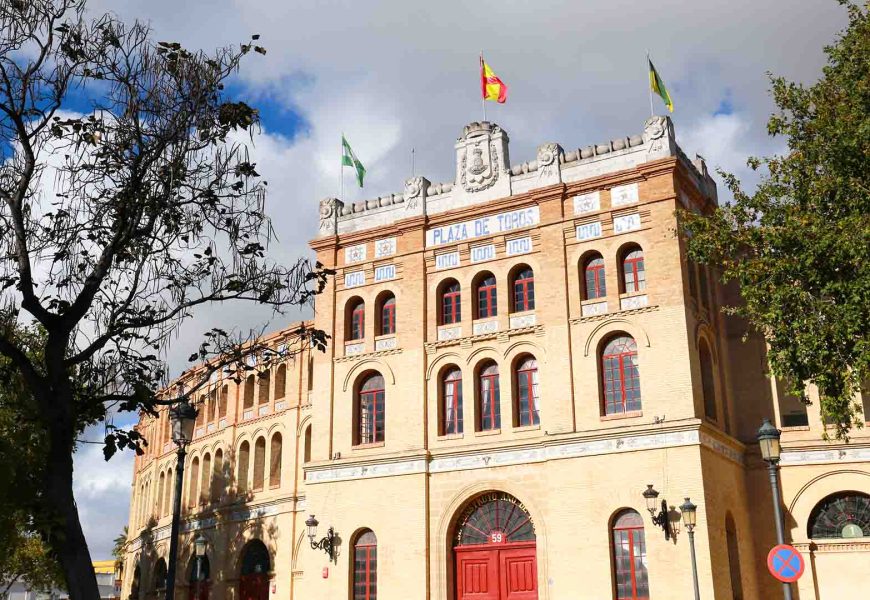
x=254, y=587
x=507, y=572
x=519, y=573
x=203, y=591
x=477, y=575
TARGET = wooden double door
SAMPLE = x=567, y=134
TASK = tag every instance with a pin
x=254, y=587
x=496, y=572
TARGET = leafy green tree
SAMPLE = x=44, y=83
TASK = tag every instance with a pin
x=26, y=559
x=799, y=244
x=116, y=226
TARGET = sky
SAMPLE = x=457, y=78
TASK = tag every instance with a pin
x=400, y=74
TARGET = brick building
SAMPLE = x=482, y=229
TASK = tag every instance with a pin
x=515, y=356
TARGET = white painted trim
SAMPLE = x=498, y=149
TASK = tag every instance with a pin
x=824, y=457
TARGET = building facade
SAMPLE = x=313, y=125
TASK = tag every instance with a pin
x=515, y=356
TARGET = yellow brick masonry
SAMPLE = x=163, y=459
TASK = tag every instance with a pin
x=573, y=472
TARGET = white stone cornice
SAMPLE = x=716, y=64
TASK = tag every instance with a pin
x=824, y=457
x=541, y=452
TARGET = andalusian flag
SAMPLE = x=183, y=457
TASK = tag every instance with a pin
x=492, y=87
x=658, y=86
x=349, y=159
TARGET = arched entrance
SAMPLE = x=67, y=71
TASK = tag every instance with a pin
x=199, y=579
x=494, y=550
x=254, y=576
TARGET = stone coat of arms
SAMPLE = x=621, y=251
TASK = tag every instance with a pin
x=479, y=167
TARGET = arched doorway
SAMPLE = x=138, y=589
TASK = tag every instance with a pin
x=254, y=576
x=494, y=550
x=199, y=581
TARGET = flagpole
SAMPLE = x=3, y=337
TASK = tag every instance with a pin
x=341, y=173
x=412, y=162
x=649, y=84
x=482, y=95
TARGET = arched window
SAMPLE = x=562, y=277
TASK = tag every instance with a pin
x=134, y=586
x=168, y=494
x=633, y=273
x=451, y=393
x=387, y=315
x=733, y=558
x=371, y=410
x=242, y=470
x=259, y=464
x=524, y=290
x=489, y=412
x=265, y=378
x=281, y=382
x=275, y=461
x=205, y=484
x=451, y=297
x=217, y=476
x=708, y=382
x=528, y=406
x=160, y=490
x=160, y=576
x=306, y=452
x=620, y=376
x=212, y=404
x=192, y=492
x=250, y=383
x=841, y=515
x=629, y=557
x=356, y=320
x=201, y=411
x=593, y=276
x=222, y=404
x=365, y=566
x=487, y=303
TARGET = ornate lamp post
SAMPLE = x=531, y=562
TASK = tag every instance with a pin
x=689, y=512
x=768, y=442
x=199, y=548
x=326, y=544
x=183, y=417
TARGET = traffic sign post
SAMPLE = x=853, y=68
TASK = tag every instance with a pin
x=785, y=563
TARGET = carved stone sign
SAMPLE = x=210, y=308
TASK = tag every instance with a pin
x=385, y=247
x=479, y=167
x=586, y=203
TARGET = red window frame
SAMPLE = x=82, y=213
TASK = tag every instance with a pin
x=489, y=398
x=365, y=568
x=371, y=409
x=621, y=377
x=629, y=552
x=527, y=394
x=357, y=321
x=451, y=423
x=487, y=302
x=594, y=278
x=633, y=271
x=388, y=316
x=451, y=310
x=524, y=290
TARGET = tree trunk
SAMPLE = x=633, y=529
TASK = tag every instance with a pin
x=66, y=537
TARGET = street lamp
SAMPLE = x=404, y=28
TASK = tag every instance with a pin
x=689, y=512
x=661, y=519
x=199, y=549
x=182, y=417
x=768, y=443
x=326, y=544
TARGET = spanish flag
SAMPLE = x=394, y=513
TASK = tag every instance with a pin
x=491, y=86
x=658, y=86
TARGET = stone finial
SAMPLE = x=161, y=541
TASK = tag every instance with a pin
x=548, y=163
x=330, y=208
x=416, y=190
x=658, y=134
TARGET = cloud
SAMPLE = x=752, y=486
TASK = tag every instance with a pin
x=102, y=491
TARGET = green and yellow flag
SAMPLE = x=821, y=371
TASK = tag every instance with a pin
x=349, y=159
x=658, y=86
